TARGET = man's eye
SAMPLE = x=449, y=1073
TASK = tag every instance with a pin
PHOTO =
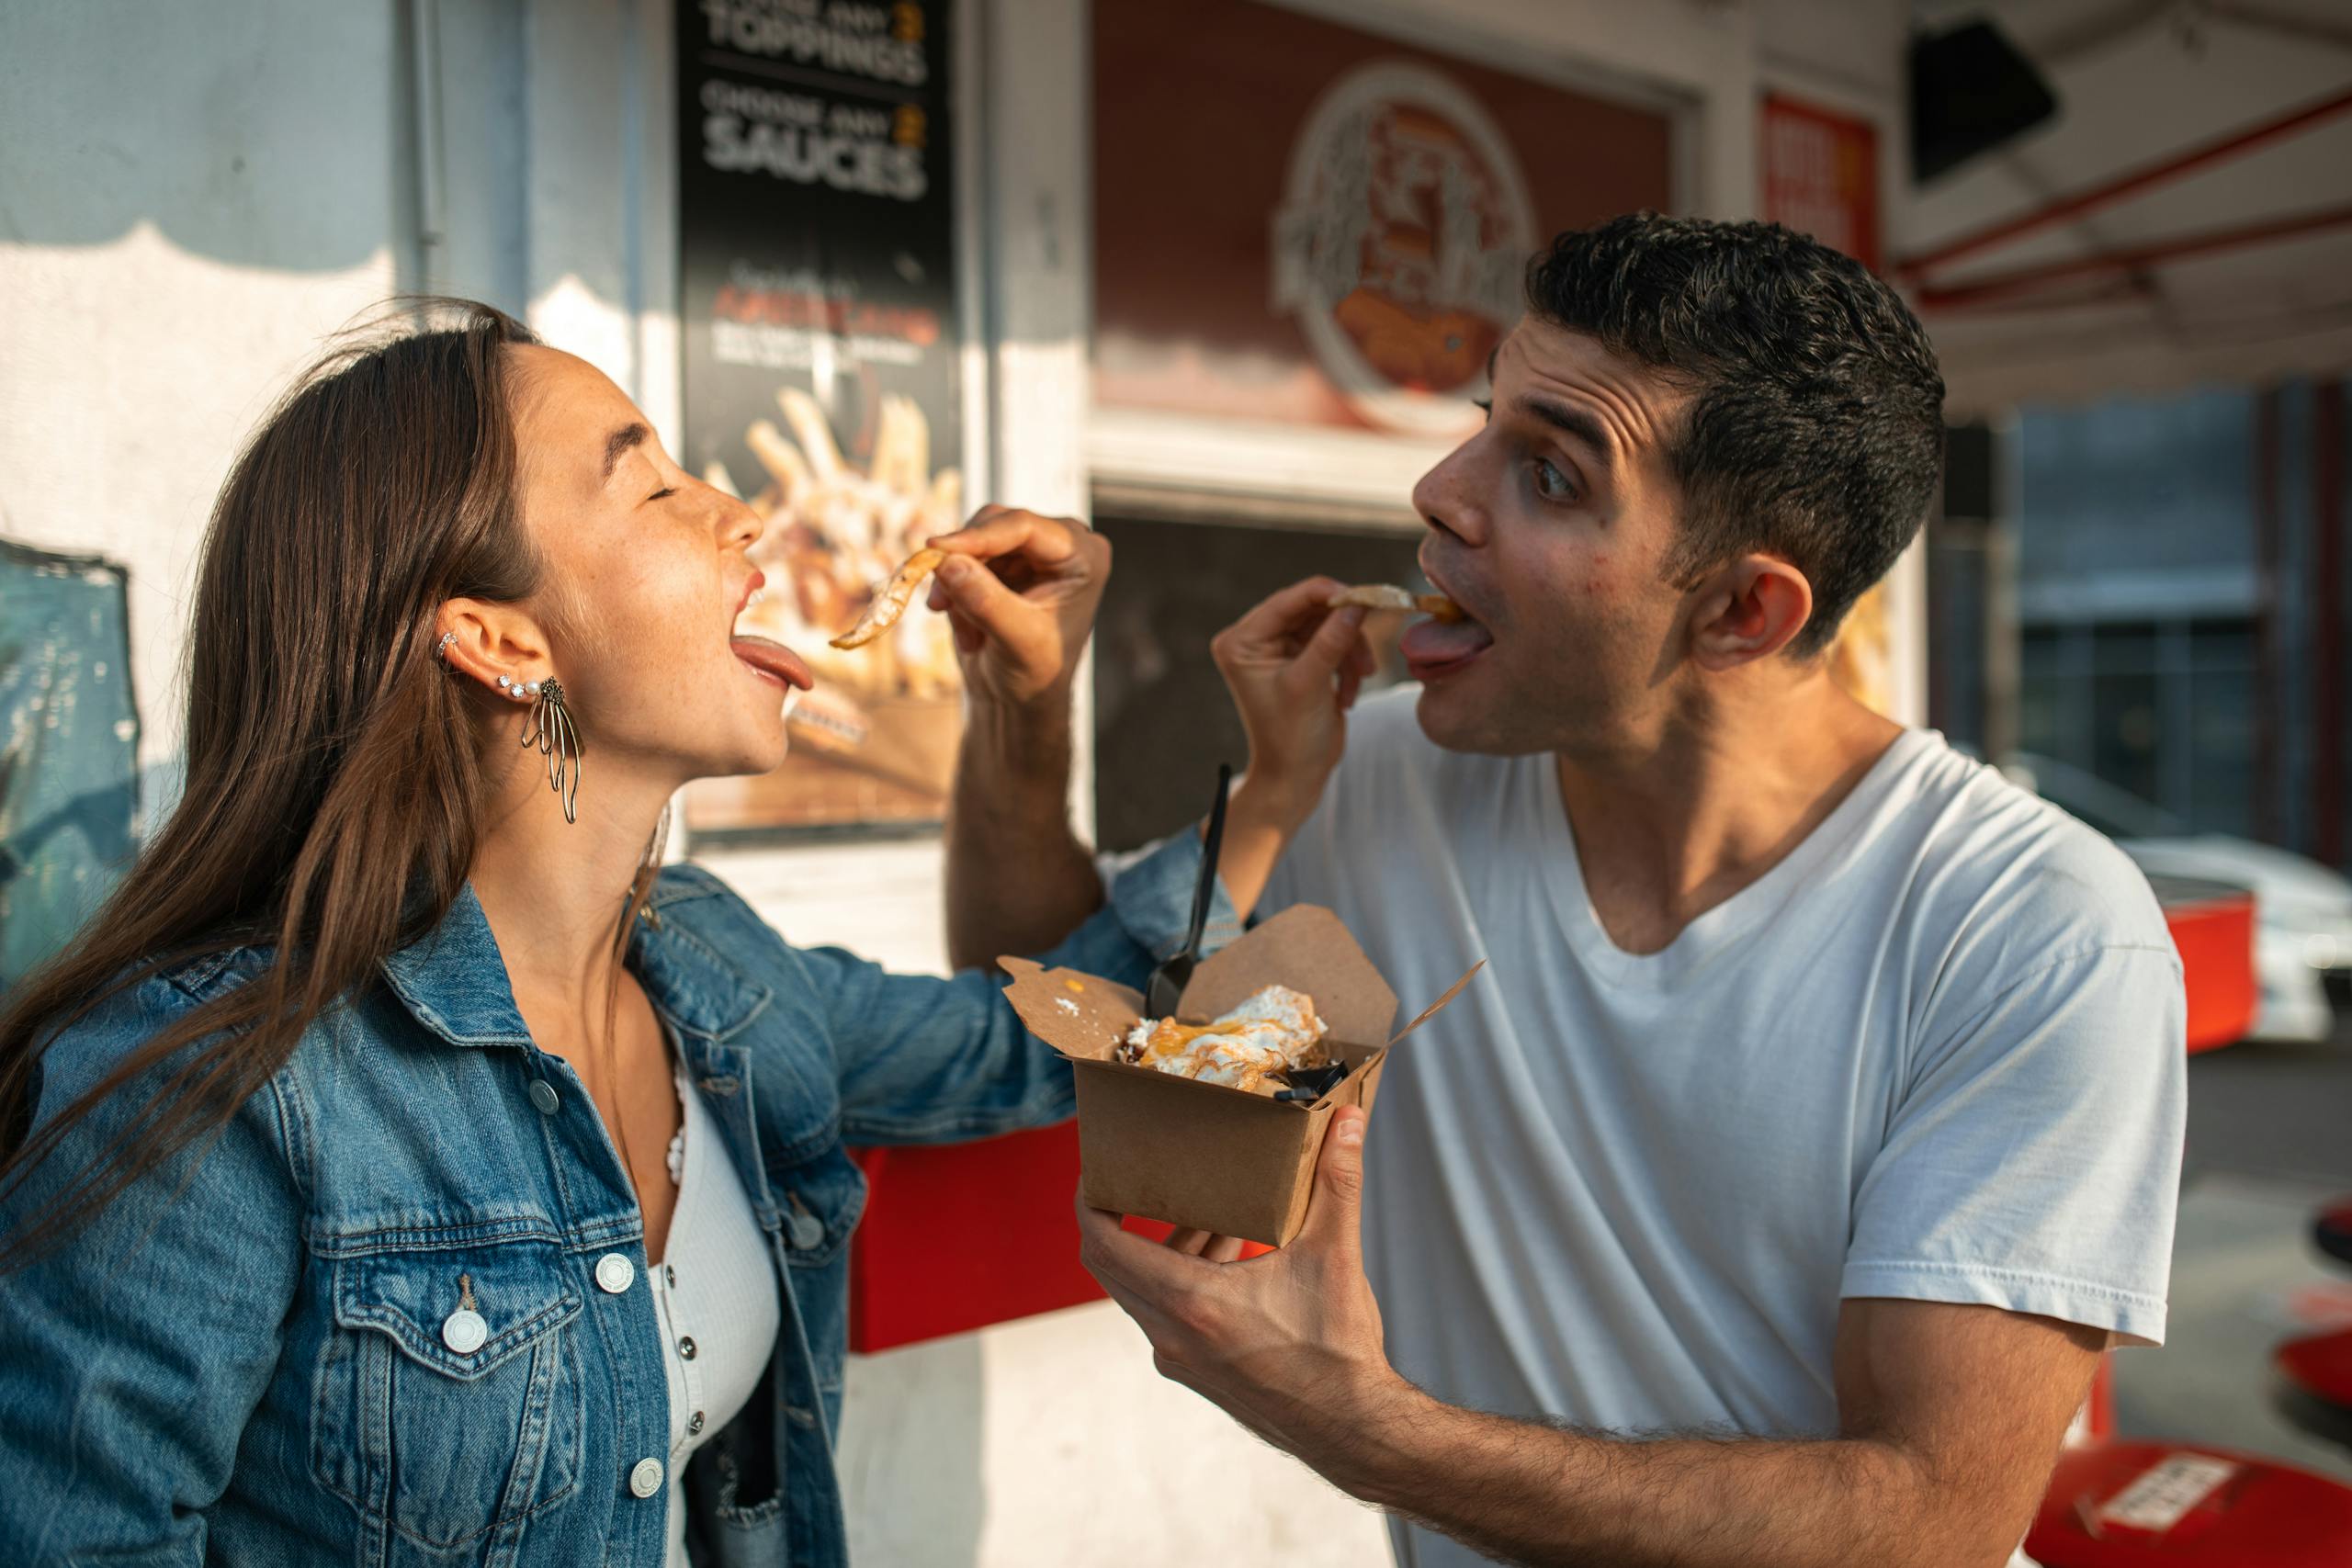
x=1551, y=482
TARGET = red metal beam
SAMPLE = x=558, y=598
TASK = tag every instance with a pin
x=2236, y=144
x=2003, y=286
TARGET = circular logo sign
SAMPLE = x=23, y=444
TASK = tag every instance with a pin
x=1401, y=244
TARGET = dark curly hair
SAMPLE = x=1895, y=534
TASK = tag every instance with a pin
x=1815, y=433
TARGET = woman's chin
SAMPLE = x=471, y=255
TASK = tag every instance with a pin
x=752, y=748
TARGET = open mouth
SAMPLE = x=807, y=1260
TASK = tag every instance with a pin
x=1435, y=650
x=764, y=656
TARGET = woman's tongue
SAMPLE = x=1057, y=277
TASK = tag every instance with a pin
x=775, y=659
x=1443, y=642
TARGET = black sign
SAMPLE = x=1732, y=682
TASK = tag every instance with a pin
x=817, y=231
x=816, y=218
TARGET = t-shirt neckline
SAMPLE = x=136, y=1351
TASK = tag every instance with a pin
x=1719, y=927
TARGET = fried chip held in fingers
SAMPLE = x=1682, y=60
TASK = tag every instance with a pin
x=1388, y=596
x=891, y=603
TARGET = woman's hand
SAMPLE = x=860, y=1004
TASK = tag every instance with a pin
x=1020, y=591
x=1293, y=666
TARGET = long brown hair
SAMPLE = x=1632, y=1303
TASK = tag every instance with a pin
x=333, y=789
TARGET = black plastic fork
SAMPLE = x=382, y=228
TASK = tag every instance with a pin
x=1166, y=987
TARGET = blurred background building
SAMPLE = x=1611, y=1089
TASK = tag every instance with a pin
x=1220, y=276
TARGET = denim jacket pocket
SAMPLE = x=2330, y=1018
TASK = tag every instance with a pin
x=448, y=1400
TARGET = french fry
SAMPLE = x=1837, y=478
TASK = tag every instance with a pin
x=891, y=603
x=781, y=458
x=901, y=447
x=714, y=475
x=1387, y=596
x=828, y=722
x=814, y=431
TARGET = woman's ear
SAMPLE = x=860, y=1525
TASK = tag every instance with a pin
x=1749, y=610
x=486, y=640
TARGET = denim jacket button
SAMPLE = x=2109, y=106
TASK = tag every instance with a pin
x=645, y=1479
x=615, y=1273
x=464, y=1331
x=543, y=1095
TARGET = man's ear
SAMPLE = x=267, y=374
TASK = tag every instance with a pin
x=1746, y=610
x=492, y=639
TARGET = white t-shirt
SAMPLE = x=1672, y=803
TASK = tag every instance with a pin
x=1937, y=1053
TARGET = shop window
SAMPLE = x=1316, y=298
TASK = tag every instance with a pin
x=1162, y=720
x=2162, y=710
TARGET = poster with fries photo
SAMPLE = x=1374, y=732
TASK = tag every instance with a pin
x=819, y=341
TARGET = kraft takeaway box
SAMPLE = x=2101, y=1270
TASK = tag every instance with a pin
x=1164, y=1147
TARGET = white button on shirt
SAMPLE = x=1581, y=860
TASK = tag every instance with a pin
x=714, y=1295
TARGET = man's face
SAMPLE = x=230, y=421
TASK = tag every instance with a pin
x=1551, y=527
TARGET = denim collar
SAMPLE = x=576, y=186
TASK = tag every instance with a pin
x=453, y=980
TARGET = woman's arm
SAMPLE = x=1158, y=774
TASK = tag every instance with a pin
x=927, y=1060
x=133, y=1356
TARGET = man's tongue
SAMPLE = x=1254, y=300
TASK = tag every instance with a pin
x=1443, y=642
x=762, y=653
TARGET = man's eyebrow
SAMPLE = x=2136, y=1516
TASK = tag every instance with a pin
x=620, y=442
x=1574, y=421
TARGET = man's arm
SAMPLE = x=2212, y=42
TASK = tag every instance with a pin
x=1950, y=1417
x=1020, y=591
x=1018, y=879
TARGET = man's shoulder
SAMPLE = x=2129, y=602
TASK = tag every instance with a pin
x=2003, y=869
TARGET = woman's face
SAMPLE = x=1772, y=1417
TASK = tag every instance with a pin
x=646, y=571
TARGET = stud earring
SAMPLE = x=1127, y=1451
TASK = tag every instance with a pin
x=551, y=730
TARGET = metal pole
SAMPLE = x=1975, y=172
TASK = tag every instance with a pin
x=2029, y=280
x=2328, y=592
x=2235, y=145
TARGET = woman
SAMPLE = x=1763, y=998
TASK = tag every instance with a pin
x=399, y=1170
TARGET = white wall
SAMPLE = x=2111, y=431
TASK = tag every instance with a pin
x=190, y=200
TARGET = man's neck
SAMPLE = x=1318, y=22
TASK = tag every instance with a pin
x=555, y=892
x=1721, y=794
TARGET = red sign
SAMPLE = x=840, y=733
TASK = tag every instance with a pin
x=1299, y=222
x=1821, y=175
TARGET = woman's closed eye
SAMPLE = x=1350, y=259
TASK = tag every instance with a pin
x=664, y=493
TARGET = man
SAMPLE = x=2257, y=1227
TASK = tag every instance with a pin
x=1816, y=1125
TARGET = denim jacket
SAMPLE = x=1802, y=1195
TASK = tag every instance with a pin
x=248, y=1359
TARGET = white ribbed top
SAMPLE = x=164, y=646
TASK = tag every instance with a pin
x=714, y=1290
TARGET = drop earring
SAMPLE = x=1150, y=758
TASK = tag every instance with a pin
x=551, y=730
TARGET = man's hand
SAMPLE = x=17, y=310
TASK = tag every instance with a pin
x=1288, y=1344
x=1020, y=591
x=1293, y=666
x=1952, y=1415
